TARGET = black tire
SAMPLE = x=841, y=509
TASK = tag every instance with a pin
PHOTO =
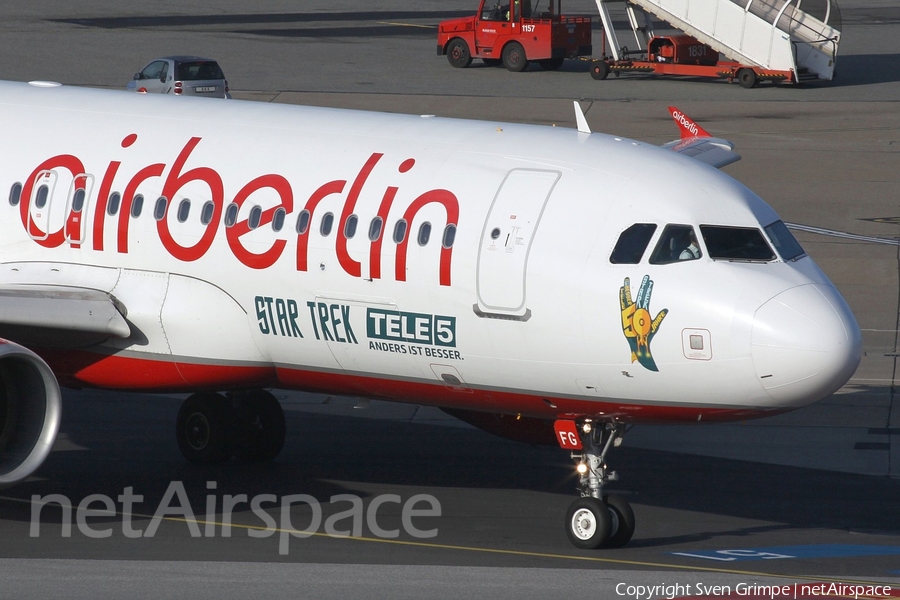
x=588, y=523
x=599, y=70
x=458, y=54
x=747, y=78
x=204, y=428
x=514, y=58
x=551, y=64
x=621, y=522
x=260, y=425
x=492, y=62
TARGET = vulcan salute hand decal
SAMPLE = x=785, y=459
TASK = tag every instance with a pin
x=637, y=325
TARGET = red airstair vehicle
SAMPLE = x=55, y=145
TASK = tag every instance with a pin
x=758, y=40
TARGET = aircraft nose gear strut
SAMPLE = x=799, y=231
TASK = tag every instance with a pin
x=597, y=520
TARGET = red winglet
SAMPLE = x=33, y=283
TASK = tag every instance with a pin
x=689, y=129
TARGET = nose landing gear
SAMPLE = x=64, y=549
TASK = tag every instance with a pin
x=598, y=520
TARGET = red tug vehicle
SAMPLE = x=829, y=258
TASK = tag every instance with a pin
x=513, y=33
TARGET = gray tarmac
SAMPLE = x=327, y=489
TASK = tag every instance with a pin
x=812, y=495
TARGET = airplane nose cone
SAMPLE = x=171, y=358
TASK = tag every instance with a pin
x=805, y=344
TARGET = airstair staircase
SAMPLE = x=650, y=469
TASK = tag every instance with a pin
x=785, y=35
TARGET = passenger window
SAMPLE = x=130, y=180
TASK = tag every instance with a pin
x=449, y=236
x=15, y=193
x=303, y=222
x=327, y=223
x=137, y=206
x=677, y=243
x=424, y=233
x=375, y=229
x=112, y=204
x=206, y=214
x=40, y=199
x=400, y=231
x=231, y=214
x=78, y=200
x=255, y=217
x=159, y=210
x=350, y=226
x=278, y=219
x=736, y=243
x=632, y=243
x=784, y=241
x=184, y=210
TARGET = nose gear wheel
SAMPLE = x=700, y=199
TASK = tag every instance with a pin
x=597, y=520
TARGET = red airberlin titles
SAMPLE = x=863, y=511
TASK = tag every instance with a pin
x=177, y=178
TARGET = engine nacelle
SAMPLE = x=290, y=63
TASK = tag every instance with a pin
x=30, y=412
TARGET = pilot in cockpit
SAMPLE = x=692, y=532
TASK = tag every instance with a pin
x=687, y=242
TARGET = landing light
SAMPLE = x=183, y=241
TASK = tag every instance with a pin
x=586, y=428
x=581, y=468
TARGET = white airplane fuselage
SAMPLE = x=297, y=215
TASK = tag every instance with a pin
x=521, y=314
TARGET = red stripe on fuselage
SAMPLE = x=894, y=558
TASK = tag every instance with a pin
x=152, y=374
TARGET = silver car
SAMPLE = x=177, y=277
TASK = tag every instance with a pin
x=182, y=76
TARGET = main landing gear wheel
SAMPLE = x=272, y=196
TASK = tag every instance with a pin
x=598, y=520
x=458, y=54
x=259, y=424
x=514, y=58
x=588, y=523
x=211, y=428
x=204, y=428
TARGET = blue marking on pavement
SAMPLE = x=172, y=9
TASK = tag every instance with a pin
x=786, y=552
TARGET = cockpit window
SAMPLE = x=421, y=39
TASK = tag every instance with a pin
x=677, y=243
x=785, y=243
x=632, y=244
x=736, y=243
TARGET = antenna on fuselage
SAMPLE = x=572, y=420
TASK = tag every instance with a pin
x=580, y=119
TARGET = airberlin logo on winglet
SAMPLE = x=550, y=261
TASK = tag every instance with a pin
x=685, y=122
x=688, y=127
x=36, y=208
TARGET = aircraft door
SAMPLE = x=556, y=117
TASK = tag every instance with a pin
x=506, y=242
x=40, y=204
